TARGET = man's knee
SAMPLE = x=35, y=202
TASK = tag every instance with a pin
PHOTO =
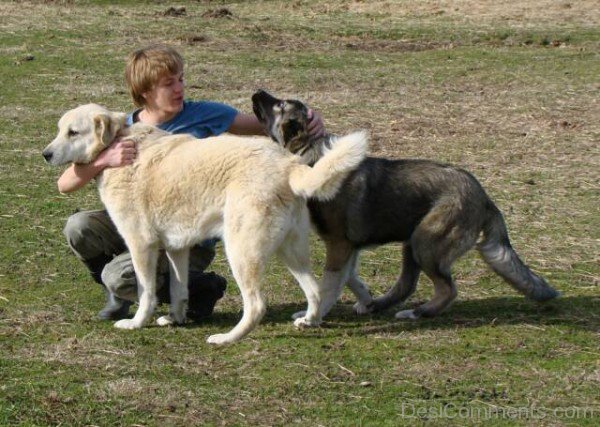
x=119, y=277
x=75, y=228
x=92, y=234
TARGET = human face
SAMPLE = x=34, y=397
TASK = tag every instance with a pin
x=166, y=98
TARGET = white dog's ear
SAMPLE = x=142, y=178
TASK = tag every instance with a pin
x=119, y=119
x=106, y=126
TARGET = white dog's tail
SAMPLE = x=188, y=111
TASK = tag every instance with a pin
x=324, y=179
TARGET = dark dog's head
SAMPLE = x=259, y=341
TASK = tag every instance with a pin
x=286, y=121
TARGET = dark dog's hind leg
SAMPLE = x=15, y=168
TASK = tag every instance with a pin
x=406, y=284
x=444, y=294
x=437, y=242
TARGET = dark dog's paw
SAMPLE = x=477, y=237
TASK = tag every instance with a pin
x=361, y=308
x=406, y=314
x=298, y=314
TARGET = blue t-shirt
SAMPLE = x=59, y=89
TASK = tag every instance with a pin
x=199, y=118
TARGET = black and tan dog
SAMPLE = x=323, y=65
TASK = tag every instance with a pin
x=438, y=211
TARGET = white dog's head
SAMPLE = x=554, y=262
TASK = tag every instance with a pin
x=82, y=134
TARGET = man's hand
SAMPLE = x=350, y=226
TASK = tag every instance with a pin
x=316, y=128
x=119, y=153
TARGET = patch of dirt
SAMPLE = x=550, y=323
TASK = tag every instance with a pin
x=218, y=13
x=128, y=387
x=518, y=13
x=193, y=39
x=175, y=11
x=370, y=45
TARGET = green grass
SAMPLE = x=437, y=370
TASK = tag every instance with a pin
x=508, y=91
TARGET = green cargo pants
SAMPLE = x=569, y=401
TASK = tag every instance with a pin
x=94, y=239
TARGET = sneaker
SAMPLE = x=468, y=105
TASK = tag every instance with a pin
x=205, y=289
x=115, y=308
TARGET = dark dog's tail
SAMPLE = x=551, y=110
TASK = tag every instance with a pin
x=324, y=179
x=497, y=251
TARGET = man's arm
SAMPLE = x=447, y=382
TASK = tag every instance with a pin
x=248, y=124
x=77, y=175
x=120, y=153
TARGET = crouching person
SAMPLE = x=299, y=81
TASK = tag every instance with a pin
x=95, y=241
x=154, y=78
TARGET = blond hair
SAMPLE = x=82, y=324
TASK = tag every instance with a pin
x=146, y=66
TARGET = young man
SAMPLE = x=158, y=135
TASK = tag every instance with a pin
x=154, y=77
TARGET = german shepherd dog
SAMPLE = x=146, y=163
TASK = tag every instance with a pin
x=438, y=211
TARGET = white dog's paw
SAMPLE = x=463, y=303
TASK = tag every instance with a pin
x=303, y=322
x=360, y=308
x=220, y=339
x=298, y=314
x=406, y=314
x=127, y=324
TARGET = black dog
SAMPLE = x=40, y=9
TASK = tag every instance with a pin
x=438, y=211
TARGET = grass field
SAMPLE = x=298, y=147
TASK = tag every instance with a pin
x=509, y=90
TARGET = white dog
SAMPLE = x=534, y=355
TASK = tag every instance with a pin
x=180, y=191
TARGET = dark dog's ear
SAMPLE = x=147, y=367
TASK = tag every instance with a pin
x=259, y=113
x=107, y=125
x=262, y=102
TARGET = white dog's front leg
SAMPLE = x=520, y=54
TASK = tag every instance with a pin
x=178, y=287
x=144, y=262
x=143, y=314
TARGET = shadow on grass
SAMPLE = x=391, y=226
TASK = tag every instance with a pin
x=577, y=311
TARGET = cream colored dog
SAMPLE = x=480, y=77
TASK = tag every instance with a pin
x=180, y=191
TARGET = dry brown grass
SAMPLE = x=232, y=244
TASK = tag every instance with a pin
x=527, y=13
